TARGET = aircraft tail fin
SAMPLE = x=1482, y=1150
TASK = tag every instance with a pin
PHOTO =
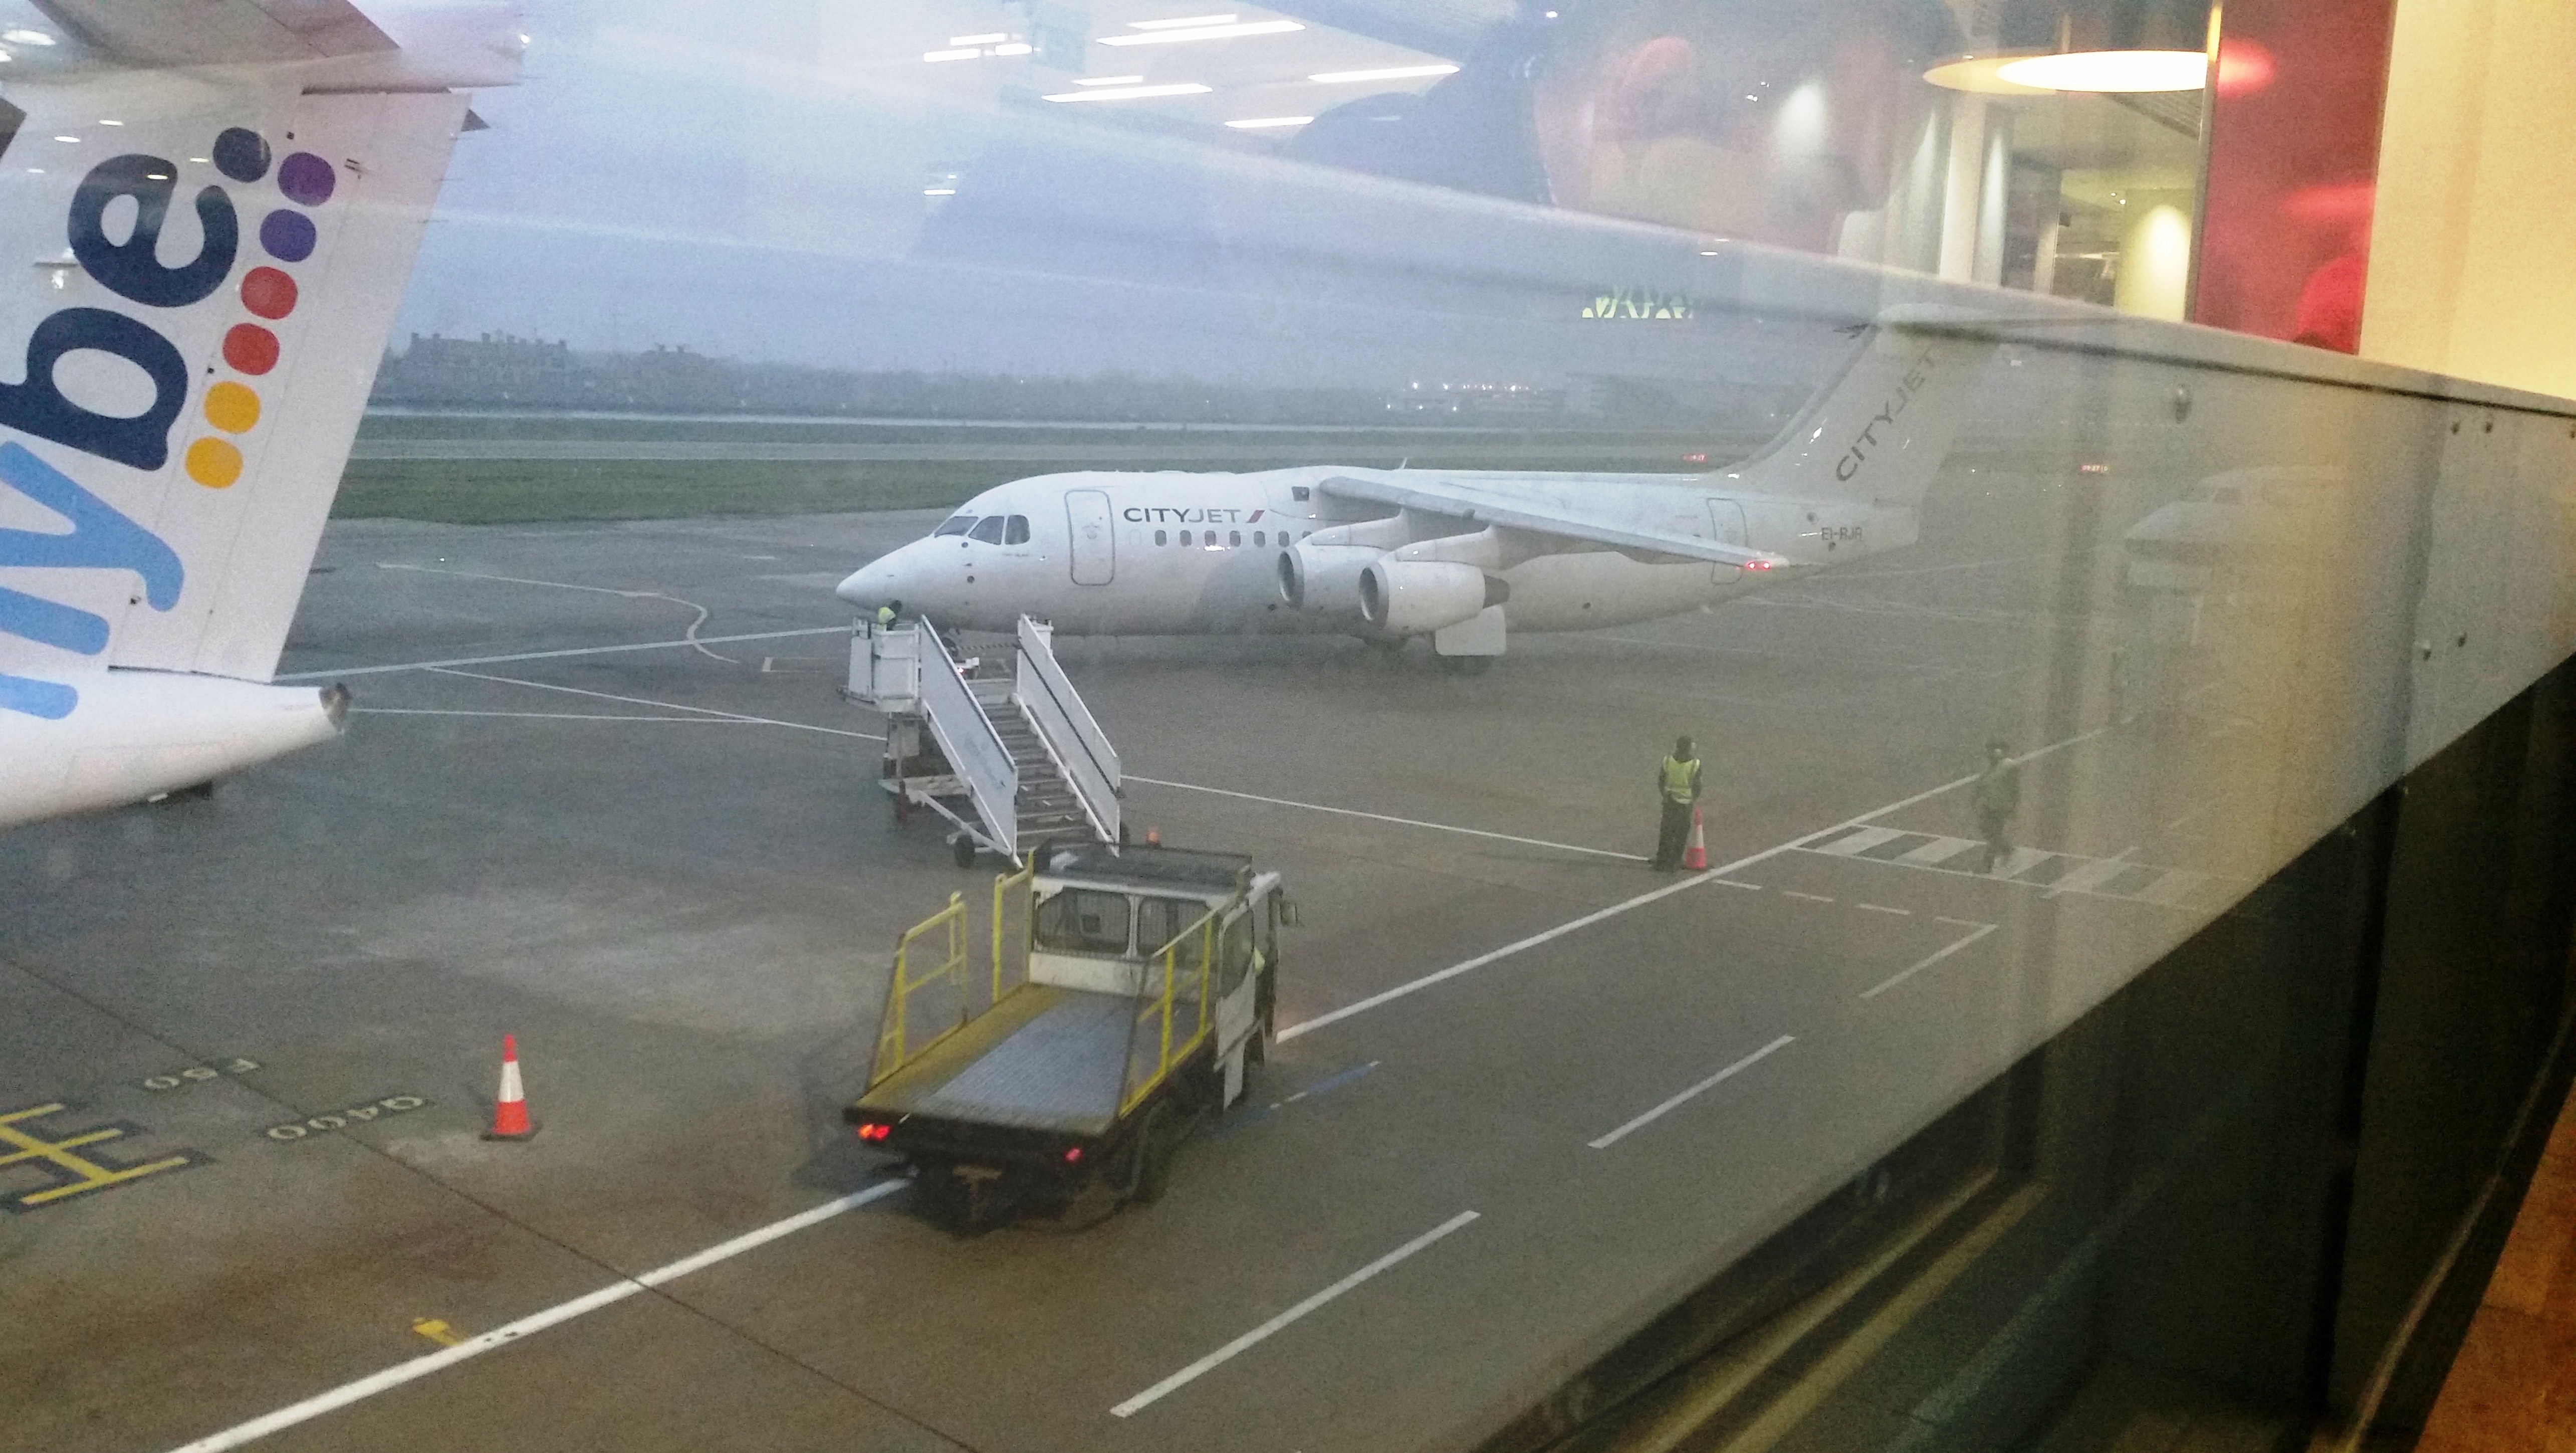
x=196, y=360
x=1879, y=431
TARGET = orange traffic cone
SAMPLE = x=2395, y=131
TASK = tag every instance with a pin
x=1153, y=837
x=510, y=1112
x=1695, y=857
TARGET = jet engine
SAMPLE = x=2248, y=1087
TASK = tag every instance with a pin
x=1324, y=578
x=1415, y=597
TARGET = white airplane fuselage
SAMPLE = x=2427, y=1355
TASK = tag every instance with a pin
x=1191, y=554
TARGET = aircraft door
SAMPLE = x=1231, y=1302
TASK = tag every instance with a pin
x=1726, y=527
x=1095, y=559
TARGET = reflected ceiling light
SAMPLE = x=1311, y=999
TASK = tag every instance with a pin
x=1016, y=47
x=1110, y=81
x=1204, y=32
x=1977, y=74
x=1387, y=73
x=26, y=37
x=1184, y=23
x=2111, y=70
x=939, y=191
x=72, y=139
x=1263, y=123
x=103, y=121
x=968, y=54
x=995, y=38
x=1132, y=93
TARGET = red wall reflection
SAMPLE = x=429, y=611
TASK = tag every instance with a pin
x=2293, y=157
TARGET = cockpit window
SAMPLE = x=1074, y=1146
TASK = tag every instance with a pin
x=988, y=530
x=1019, y=532
x=954, y=525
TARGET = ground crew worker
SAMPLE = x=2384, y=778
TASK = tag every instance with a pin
x=1998, y=795
x=887, y=613
x=1678, y=783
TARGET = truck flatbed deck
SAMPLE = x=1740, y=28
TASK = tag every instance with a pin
x=1044, y=1058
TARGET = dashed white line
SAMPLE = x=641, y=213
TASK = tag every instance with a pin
x=1883, y=908
x=1204, y=1365
x=1677, y=1101
x=1981, y=931
x=1810, y=897
x=1731, y=883
x=446, y=1357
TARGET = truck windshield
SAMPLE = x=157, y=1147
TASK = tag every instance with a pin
x=1079, y=921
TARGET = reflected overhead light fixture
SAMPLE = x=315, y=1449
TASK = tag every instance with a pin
x=1184, y=23
x=26, y=37
x=1132, y=93
x=1263, y=123
x=1016, y=47
x=2110, y=70
x=994, y=39
x=1111, y=81
x=1978, y=75
x=1204, y=32
x=1386, y=73
x=967, y=54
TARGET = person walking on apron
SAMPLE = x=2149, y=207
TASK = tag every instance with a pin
x=1997, y=795
x=1677, y=782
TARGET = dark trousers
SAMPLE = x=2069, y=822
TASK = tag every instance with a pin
x=1675, y=836
x=1997, y=828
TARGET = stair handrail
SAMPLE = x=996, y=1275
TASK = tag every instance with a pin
x=968, y=739
x=1066, y=727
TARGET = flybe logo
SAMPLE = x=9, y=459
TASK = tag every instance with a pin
x=1916, y=373
x=102, y=538
x=1151, y=515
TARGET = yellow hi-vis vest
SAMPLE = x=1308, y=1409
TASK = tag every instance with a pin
x=885, y=615
x=1681, y=779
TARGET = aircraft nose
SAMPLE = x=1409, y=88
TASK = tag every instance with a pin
x=872, y=584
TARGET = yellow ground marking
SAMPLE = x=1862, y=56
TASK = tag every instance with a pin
x=437, y=1331
x=87, y=1174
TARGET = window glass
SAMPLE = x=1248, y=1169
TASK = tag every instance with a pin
x=1234, y=537
x=1159, y=537
x=1259, y=538
x=955, y=525
x=1079, y=920
x=1234, y=954
x=1185, y=537
x=1019, y=531
x=988, y=529
x=1160, y=920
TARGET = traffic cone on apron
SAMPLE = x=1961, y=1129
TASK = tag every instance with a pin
x=1695, y=857
x=510, y=1112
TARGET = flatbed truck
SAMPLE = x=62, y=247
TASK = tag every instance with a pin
x=1132, y=988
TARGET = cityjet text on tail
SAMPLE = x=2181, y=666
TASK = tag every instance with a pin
x=222, y=208
x=1463, y=557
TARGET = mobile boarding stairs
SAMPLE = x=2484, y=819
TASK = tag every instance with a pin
x=1012, y=760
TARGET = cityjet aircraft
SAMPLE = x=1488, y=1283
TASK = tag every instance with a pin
x=222, y=208
x=1463, y=557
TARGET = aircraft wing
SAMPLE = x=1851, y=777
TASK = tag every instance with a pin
x=1487, y=507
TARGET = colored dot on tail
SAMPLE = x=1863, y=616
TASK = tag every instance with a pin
x=287, y=235
x=306, y=178
x=214, y=463
x=241, y=155
x=250, y=348
x=232, y=407
x=268, y=292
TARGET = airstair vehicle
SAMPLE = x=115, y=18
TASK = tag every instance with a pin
x=1130, y=989
x=1010, y=757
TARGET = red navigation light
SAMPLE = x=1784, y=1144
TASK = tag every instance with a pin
x=874, y=1131
x=1694, y=459
x=2093, y=468
x=1073, y=1155
x=1757, y=564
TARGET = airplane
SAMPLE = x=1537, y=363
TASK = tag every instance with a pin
x=242, y=193
x=1464, y=557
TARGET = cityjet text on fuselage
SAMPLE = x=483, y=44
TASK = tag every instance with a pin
x=1198, y=515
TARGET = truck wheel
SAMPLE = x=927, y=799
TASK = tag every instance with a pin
x=1151, y=1157
x=962, y=848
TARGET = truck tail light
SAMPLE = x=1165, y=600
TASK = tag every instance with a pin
x=1073, y=1155
x=875, y=1132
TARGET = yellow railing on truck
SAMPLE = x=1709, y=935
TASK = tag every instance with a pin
x=1156, y=1017
x=948, y=926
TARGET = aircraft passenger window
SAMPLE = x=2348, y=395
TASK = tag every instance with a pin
x=1234, y=537
x=1083, y=922
x=988, y=529
x=1019, y=531
x=954, y=525
x=1257, y=538
x=1185, y=537
x=1159, y=538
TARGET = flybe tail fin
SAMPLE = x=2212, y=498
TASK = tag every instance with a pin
x=1879, y=432
x=195, y=360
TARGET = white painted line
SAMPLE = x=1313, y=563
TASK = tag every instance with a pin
x=1715, y=875
x=666, y=705
x=1400, y=821
x=2089, y=877
x=339, y=672
x=1961, y=922
x=446, y=1357
x=1810, y=897
x=546, y=715
x=1939, y=850
x=1861, y=841
x=1981, y=931
x=1883, y=908
x=1677, y=1101
x=1204, y=1365
x=1731, y=883
x=2020, y=861
x=690, y=635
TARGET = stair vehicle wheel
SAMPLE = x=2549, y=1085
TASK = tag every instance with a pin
x=1150, y=1156
x=962, y=848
